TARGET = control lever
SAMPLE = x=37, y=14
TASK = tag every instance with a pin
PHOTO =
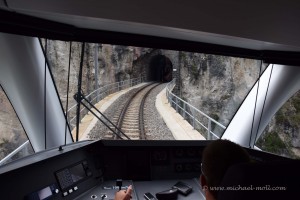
x=119, y=183
x=170, y=194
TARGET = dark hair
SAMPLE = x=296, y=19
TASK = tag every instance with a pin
x=217, y=157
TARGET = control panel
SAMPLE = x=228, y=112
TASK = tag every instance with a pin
x=44, y=193
x=82, y=170
x=69, y=177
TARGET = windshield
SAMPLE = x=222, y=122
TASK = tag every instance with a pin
x=110, y=91
x=206, y=89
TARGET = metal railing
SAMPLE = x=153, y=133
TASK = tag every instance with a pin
x=100, y=94
x=194, y=116
x=94, y=97
x=14, y=152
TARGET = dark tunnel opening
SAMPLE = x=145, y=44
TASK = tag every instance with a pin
x=160, y=69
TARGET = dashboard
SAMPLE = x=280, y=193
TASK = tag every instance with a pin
x=89, y=170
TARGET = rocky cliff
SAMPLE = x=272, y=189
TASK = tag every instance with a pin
x=217, y=84
x=114, y=65
x=282, y=136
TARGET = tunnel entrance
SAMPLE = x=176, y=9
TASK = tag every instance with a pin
x=160, y=69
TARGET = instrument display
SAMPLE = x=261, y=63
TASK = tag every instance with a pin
x=69, y=176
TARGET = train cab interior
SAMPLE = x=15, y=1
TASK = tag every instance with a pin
x=166, y=36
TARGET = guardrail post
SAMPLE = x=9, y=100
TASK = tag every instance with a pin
x=209, y=129
x=96, y=71
x=68, y=118
x=167, y=95
x=184, y=110
x=176, y=102
x=193, y=120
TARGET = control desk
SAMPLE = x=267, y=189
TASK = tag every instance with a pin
x=89, y=170
x=107, y=189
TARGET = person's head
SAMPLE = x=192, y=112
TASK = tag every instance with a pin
x=217, y=157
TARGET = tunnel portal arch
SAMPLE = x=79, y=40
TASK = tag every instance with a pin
x=160, y=69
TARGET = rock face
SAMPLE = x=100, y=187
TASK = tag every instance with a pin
x=115, y=64
x=217, y=84
x=282, y=136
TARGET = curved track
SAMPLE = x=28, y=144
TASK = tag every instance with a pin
x=130, y=116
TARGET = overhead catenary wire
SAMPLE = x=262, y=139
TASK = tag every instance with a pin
x=104, y=122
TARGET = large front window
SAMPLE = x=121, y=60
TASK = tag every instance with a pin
x=205, y=89
x=208, y=89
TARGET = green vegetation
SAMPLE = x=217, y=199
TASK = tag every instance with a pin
x=295, y=119
x=214, y=127
x=296, y=102
x=287, y=122
x=182, y=55
x=215, y=116
x=225, y=97
x=217, y=66
x=272, y=143
x=280, y=118
x=194, y=72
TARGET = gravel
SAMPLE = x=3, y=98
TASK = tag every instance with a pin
x=156, y=129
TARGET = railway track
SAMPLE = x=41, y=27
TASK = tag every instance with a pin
x=130, y=116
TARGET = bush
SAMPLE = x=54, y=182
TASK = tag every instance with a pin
x=272, y=143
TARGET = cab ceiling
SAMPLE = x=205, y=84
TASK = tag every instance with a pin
x=252, y=25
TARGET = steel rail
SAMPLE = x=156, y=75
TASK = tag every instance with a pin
x=125, y=107
x=141, y=113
